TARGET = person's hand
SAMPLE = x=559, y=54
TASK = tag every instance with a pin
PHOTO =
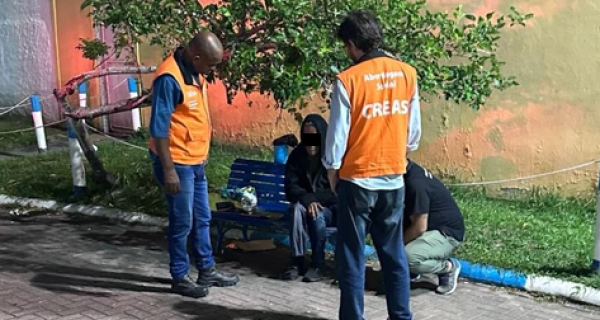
x=332, y=175
x=171, y=181
x=313, y=209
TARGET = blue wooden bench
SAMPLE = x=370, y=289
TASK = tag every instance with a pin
x=273, y=209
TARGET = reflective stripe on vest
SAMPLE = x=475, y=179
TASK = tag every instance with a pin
x=380, y=91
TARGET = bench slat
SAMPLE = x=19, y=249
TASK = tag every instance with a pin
x=261, y=188
x=265, y=169
x=266, y=164
x=274, y=207
x=250, y=177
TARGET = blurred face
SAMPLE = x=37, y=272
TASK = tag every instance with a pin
x=206, y=65
x=310, y=129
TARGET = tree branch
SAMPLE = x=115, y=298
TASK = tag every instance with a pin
x=121, y=106
x=70, y=87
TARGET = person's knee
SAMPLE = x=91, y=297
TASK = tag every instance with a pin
x=321, y=217
x=415, y=261
x=297, y=210
x=179, y=229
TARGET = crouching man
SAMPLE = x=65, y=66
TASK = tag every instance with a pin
x=433, y=228
x=307, y=188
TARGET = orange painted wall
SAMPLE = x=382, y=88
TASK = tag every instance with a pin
x=73, y=24
x=549, y=122
x=257, y=125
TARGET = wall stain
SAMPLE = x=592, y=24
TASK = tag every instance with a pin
x=495, y=137
x=548, y=122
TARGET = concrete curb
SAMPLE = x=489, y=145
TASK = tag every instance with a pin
x=531, y=283
x=94, y=211
x=474, y=272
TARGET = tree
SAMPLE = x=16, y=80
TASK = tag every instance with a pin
x=288, y=48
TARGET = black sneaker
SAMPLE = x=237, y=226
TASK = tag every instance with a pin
x=449, y=281
x=312, y=275
x=291, y=274
x=212, y=278
x=188, y=288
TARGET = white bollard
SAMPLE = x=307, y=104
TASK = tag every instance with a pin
x=136, y=118
x=77, y=166
x=82, y=95
x=38, y=123
x=596, y=261
x=83, y=102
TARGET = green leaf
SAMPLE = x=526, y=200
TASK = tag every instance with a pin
x=303, y=55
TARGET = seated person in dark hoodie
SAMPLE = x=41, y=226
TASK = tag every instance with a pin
x=307, y=188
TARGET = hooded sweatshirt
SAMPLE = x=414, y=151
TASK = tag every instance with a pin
x=300, y=185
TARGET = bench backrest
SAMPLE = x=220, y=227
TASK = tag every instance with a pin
x=266, y=177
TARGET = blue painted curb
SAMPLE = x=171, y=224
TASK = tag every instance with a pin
x=492, y=275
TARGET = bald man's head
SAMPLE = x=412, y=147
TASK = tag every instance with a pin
x=205, y=52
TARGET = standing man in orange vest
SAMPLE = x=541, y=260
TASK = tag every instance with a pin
x=374, y=123
x=181, y=131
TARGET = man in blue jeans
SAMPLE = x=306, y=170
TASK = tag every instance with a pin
x=180, y=131
x=374, y=123
x=307, y=187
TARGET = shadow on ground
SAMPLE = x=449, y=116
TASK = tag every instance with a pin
x=68, y=279
x=149, y=240
x=96, y=280
x=205, y=311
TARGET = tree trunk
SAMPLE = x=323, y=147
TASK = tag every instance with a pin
x=99, y=173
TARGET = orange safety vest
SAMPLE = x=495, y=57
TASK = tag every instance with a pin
x=191, y=129
x=380, y=90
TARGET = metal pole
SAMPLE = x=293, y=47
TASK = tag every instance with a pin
x=596, y=261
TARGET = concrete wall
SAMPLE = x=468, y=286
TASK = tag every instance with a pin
x=549, y=122
x=27, y=60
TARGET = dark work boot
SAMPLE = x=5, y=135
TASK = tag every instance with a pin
x=295, y=270
x=313, y=275
x=188, y=288
x=212, y=278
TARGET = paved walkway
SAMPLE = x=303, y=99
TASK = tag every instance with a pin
x=59, y=267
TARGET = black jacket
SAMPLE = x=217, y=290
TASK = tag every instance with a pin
x=299, y=186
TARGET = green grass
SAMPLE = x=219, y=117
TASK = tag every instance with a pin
x=13, y=141
x=48, y=176
x=544, y=234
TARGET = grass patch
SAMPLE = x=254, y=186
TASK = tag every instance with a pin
x=48, y=176
x=544, y=234
x=13, y=141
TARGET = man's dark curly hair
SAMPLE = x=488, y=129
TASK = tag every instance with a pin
x=363, y=28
